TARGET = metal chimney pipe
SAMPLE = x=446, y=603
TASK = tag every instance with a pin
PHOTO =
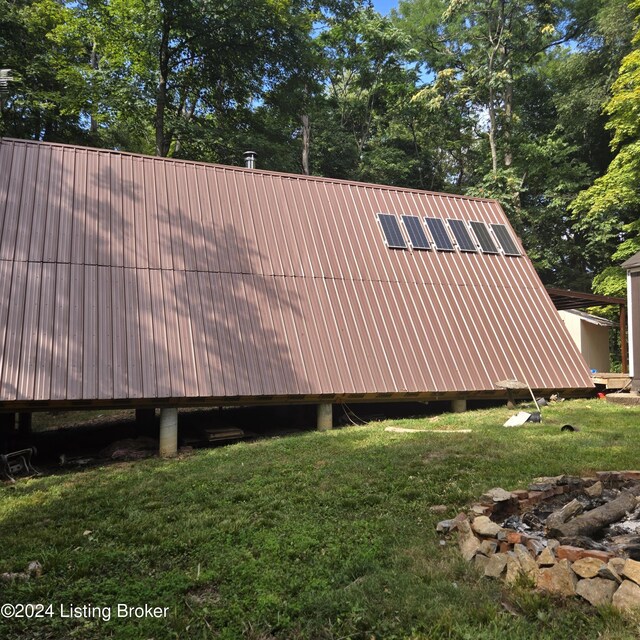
x=250, y=159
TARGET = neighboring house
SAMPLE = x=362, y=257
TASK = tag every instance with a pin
x=632, y=265
x=591, y=335
x=135, y=281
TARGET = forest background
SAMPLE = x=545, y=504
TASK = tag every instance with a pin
x=533, y=102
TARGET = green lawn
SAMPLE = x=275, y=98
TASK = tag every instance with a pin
x=321, y=535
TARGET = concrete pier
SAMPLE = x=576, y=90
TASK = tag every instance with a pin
x=459, y=406
x=168, y=432
x=325, y=417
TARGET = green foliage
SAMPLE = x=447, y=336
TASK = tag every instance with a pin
x=39, y=104
x=610, y=208
x=503, y=100
x=611, y=282
x=369, y=89
x=323, y=535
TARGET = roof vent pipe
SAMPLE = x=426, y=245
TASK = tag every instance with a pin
x=250, y=159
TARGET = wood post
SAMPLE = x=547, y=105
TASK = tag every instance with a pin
x=168, y=432
x=624, y=365
x=633, y=293
x=325, y=416
x=459, y=405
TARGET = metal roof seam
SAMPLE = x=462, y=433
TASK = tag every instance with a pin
x=471, y=325
x=496, y=327
x=526, y=355
x=7, y=245
x=217, y=346
x=512, y=339
x=470, y=303
x=89, y=334
x=498, y=285
x=106, y=383
x=76, y=323
x=428, y=260
x=6, y=286
x=36, y=235
x=29, y=347
x=6, y=167
x=453, y=317
x=492, y=308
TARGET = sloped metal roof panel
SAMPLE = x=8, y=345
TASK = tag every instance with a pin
x=633, y=262
x=125, y=277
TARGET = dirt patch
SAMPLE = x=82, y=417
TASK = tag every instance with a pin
x=204, y=594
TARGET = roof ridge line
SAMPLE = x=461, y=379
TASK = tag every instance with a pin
x=229, y=167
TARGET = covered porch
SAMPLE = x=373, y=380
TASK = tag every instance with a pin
x=565, y=299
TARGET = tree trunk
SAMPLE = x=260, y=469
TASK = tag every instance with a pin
x=508, y=119
x=492, y=131
x=416, y=149
x=162, y=144
x=306, y=144
x=186, y=113
x=93, y=62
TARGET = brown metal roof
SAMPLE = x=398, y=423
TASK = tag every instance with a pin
x=130, y=277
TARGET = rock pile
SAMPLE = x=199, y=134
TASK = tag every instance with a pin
x=487, y=538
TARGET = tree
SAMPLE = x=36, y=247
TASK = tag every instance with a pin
x=188, y=60
x=368, y=127
x=39, y=104
x=152, y=75
x=486, y=45
x=610, y=208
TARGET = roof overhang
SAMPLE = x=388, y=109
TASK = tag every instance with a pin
x=567, y=299
x=633, y=263
x=590, y=318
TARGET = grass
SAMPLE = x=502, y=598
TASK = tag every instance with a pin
x=319, y=536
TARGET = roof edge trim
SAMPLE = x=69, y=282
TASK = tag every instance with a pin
x=229, y=167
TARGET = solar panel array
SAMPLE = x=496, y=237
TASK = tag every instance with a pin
x=439, y=234
x=462, y=235
x=506, y=241
x=442, y=241
x=417, y=236
x=484, y=237
x=391, y=230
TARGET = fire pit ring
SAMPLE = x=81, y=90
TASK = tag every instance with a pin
x=569, y=535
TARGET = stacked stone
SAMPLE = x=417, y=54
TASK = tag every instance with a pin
x=599, y=577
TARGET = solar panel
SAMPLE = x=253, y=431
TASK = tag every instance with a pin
x=417, y=236
x=439, y=234
x=462, y=235
x=391, y=230
x=484, y=238
x=509, y=247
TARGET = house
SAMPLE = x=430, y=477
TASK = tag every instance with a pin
x=632, y=266
x=142, y=282
x=591, y=335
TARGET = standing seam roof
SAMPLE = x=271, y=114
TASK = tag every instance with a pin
x=131, y=277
